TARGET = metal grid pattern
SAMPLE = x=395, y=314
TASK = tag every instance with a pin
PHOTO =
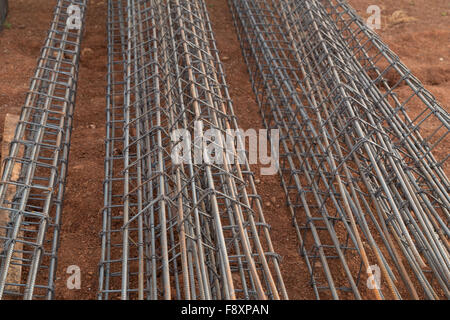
x=32, y=199
x=193, y=230
x=362, y=183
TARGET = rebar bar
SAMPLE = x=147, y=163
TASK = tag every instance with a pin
x=362, y=183
x=40, y=151
x=193, y=230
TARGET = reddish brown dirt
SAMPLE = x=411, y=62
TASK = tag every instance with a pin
x=80, y=242
x=422, y=44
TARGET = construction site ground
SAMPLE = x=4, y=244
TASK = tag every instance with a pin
x=420, y=36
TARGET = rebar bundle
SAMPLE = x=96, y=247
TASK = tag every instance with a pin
x=189, y=230
x=34, y=173
x=357, y=134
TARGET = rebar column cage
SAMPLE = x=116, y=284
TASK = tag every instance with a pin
x=189, y=230
x=32, y=199
x=360, y=160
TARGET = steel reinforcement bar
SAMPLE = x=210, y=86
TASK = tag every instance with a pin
x=34, y=173
x=183, y=230
x=362, y=184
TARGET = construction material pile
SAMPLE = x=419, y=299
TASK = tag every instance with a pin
x=34, y=174
x=359, y=136
x=189, y=230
